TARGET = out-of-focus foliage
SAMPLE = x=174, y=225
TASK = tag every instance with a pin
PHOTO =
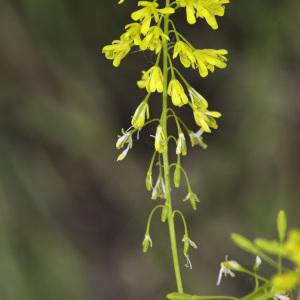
x=71, y=218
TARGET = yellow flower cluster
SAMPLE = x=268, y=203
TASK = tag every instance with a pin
x=150, y=10
x=205, y=9
x=116, y=51
x=139, y=33
x=147, y=33
x=289, y=280
x=152, y=80
x=204, y=60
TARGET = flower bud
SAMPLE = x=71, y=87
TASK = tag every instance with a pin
x=193, y=198
x=152, y=80
x=147, y=242
x=186, y=244
x=149, y=184
x=140, y=115
x=181, y=145
x=176, y=91
x=257, y=263
x=161, y=143
x=159, y=190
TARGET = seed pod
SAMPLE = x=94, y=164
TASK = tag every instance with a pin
x=177, y=173
x=149, y=183
x=164, y=213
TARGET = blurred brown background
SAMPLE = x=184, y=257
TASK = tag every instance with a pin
x=71, y=218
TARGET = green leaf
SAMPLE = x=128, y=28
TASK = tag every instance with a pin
x=244, y=243
x=271, y=247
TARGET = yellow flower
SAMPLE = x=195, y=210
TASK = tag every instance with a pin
x=153, y=39
x=208, y=59
x=286, y=282
x=292, y=246
x=121, y=1
x=140, y=115
x=176, y=91
x=203, y=117
x=185, y=53
x=116, y=51
x=132, y=34
x=190, y=10
x=209, y=9
x=152, y=80
x=161, y=143
x=150, y=10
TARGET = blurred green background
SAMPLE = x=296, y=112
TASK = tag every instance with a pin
x=71, y=218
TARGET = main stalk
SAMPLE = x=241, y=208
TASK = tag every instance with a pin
x=166, y=159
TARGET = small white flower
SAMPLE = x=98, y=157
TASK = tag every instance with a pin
x=227, y=268
x=258, y=263
x=124, y=153
x=188, y=262
x=124, y=139
x=186, y=239
x=147, y=242
x=281, y=297
x=181, y=145
x=197, y=139
x=159, y=190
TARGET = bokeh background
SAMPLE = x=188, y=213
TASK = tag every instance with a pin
x=71, y=218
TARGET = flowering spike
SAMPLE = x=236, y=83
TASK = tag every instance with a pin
x=153, y=30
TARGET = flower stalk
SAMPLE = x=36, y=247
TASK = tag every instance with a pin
x=171, y=225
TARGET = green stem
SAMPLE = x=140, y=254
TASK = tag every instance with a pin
x=179, y=119
x=254, y=275
x=280, y=260
x=166, y=159
x=151, y=216
x=183, y=220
